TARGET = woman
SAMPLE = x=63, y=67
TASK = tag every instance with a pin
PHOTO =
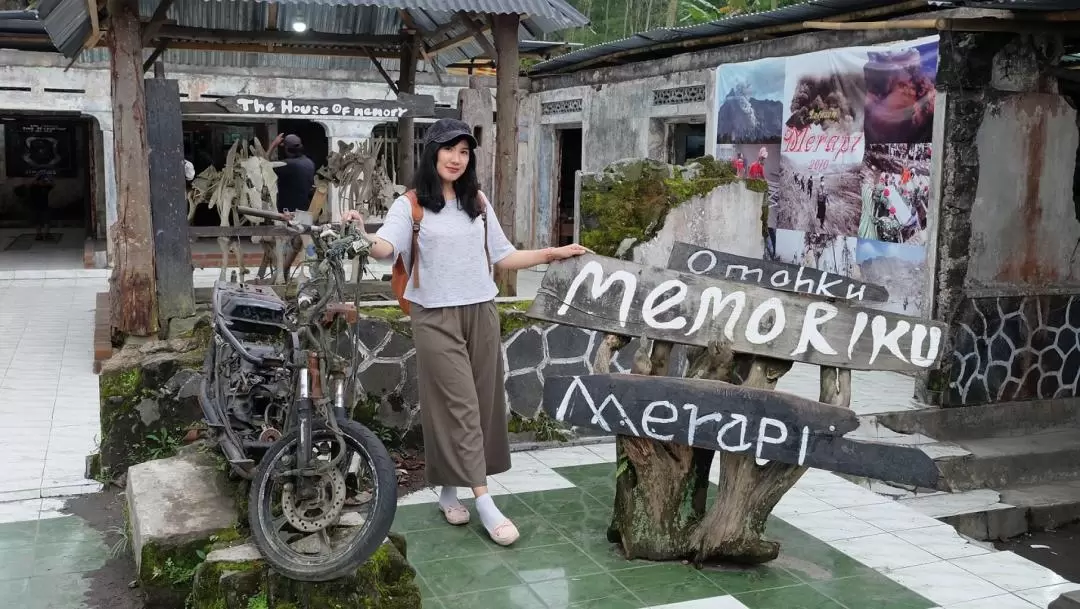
x=454, y=320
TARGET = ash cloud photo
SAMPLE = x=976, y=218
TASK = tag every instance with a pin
x=900, y=268
x=750, y=98
x=812, y=200
x=896, y=193
x=900, y=94
x=826, y=92
x=829, y=253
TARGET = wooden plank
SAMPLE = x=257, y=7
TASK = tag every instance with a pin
x=150, y=30
x=687, y=258
x=276, y=37
x=168, y=201
x=766, y=425
x=253, y=230
x=620, y=297
x=406, y=105
x=506, y=137
x=406, y=154
x=134, y=296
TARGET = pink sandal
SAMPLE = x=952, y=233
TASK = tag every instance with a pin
x=505, y=534
x=457, y=515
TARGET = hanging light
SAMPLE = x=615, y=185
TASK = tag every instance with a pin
x=299, y=26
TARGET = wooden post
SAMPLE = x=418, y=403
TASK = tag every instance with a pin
x=132, y=284
x=168, y=203
x=407, y=84
x=475, y=106
x=505, y=31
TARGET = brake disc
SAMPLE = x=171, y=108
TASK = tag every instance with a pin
x=321, y=511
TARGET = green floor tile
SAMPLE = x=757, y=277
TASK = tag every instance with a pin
x=562, y=593
x=16, y=563
x=792, y=597
x=445, y=542
x=456, y=576
x=549, y=562
x=69, y=529
x=734, y=580
x=663, y=584
x=563, y=504
x=432, y=603
x=17, y=534
x=535, y=531
x=819, y=562
x=516, y=597
x=874, y=590
x=52, y=559
x=589, y=476
x=12, y=591
x=512, y=506
x=63, y=591
x=626, y=600
x=420, y=517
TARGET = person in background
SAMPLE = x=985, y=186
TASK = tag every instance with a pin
x=757, y=169
x=740, y=165
x=455, y=322
x=38, y=195
x=296, y=185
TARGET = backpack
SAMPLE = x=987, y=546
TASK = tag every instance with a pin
x=399, y=274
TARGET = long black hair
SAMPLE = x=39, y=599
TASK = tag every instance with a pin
x=429, y=186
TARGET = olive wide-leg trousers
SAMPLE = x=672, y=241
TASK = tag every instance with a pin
x=462, y=403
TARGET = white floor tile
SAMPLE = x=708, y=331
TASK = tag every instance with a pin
x=716, y=602
x=19, y=511
x=604, y=451
x=797, y=502
x=846, y=495
x=891, y=516
x=425, y=495
x=945, y=583
x=942, y=541
x=1042, y=597
x=570, y=456
x=1009, y=571
x=1007, y=601
x=833, y=525
x=884, y=552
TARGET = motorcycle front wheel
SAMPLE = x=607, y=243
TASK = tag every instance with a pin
x=315, y=533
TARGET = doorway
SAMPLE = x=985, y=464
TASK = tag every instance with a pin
x=687, y=142
x=570, y=151
x=46, y=190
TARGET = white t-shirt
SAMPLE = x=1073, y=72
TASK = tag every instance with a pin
x=453, y=268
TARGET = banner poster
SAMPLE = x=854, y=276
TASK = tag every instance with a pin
x=843, y=138
x=36, y=147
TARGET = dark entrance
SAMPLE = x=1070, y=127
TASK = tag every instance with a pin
x=569, y=165
x=46, y=183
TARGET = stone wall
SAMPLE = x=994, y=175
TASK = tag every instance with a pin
x=1006, y=273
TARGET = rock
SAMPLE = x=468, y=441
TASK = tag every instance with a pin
x=238, y=578
x=1068, y=600
x=177, y=508
x=149, y=399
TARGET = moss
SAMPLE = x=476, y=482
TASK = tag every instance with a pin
x=512, y=317
x=757, y=185
x=391, y=315
x=217, y=583
x=543, y=427
x=630, y=200
x=121, y=384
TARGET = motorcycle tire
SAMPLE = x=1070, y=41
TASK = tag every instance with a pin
x=290, y=563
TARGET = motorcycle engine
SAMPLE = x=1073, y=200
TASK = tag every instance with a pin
x=258, y=397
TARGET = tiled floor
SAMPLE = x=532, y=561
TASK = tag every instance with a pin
x=843, y=548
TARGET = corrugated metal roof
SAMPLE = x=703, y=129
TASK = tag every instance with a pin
x=67, y=21
x=811, y=10
x=1012, y=5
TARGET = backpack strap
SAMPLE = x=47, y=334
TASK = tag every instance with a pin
x=417, y=216
x=483, y=214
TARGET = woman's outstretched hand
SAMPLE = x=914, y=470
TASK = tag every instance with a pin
x=569, y=251
x=354, y=217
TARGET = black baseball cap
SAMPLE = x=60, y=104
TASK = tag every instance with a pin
x=446, y=130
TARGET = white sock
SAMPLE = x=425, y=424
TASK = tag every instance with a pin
x=448, y=497
x=489, y=512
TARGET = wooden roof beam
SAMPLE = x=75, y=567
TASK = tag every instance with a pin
x=454, y=42
x=150, y=30
x=201, y=35
x=478, y=33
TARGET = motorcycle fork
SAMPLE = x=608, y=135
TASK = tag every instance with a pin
x=309, y=390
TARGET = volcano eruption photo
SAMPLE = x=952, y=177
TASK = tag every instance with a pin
x=826, y=202
x=826, y=93
x=900, y=95
x=751, y=107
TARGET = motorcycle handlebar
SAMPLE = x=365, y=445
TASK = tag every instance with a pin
x=261, y=213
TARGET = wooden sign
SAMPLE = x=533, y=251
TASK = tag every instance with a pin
x=687, y=258
x=405, y=105
x=767, y=425
x=620, y=297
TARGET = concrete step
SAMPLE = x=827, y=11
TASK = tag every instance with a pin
x=998, y=515
x=1051, y=455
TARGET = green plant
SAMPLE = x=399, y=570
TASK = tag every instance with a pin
x=259, y=601
x=543, y=427
x=162, y=444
